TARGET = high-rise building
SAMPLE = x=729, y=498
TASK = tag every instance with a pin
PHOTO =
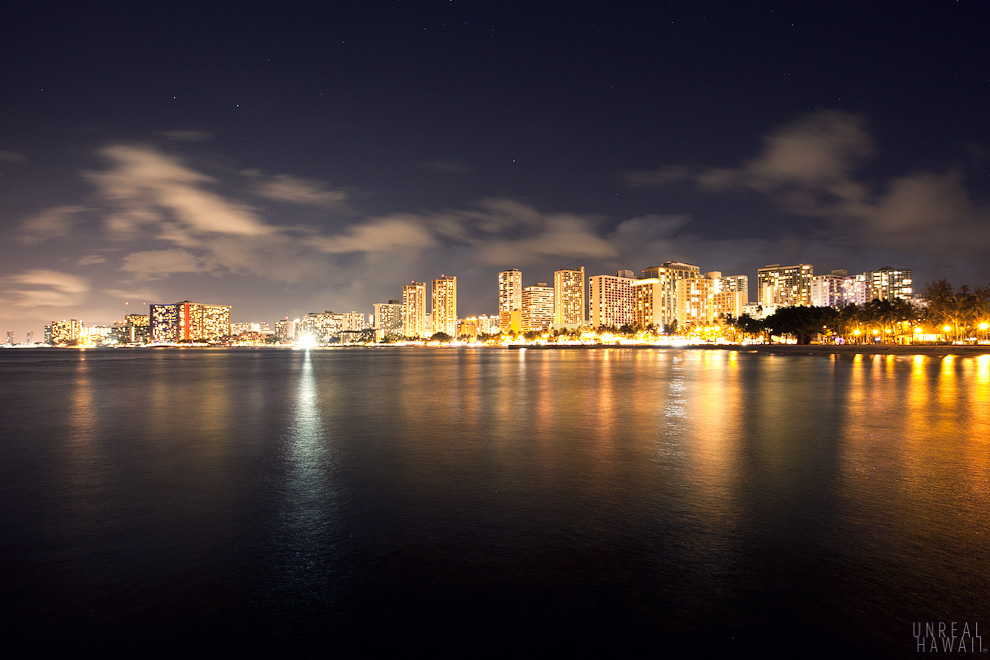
x=568, y=297
x=287, y=329
x=414, y=310
x=890, y=283
x=855, y=290
x=656, y=293
x=611, y=300
x=694, y=296
x=63, y=333
x=189, y=321
x=733, y=283
x=510, y=300
x=784, y=286
x=537, y=307
x=30, y=337
x=322, y=327
x=388, y=319
x=444, y=305
x=137, y=329
x=826, y=291
x=10, y=338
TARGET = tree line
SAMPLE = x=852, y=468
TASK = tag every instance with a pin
x=945, y=314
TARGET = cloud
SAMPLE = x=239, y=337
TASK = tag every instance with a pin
x=55, y=222
x=811, y=167
x=153, y=264
x=379, y=235
x=816, y=150
x=91, y=260
x=133, y=293
x=11, y=157
x=286, y=188
x=146, y=187
x=926, y=210
x=41, y=287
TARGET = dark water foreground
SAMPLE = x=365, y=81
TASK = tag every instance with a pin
x=466, y=503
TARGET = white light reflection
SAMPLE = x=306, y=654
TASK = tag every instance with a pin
x=309, y=516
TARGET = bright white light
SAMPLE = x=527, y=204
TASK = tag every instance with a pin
x=307, y=342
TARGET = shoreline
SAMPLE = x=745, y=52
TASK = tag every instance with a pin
x=960, y=350
x=796, y=349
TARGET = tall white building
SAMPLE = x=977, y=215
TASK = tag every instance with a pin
x=510, y=300
x=826, y=290
x=568, y=297
x=537, y=311
x=656, y=293
x=611, y=300
x=388, y=319
x=784, y=286
x=444, y=310
x=414, y=310
x=890, y=283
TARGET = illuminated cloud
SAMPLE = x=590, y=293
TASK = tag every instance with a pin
x=809, y=167
x=133, y=294
x=379, y=235
x=42, y=288
x=146, y=187
x=294, y=190
x=56, y=222
x=153, y=264
x=926, y=211
x=11, y=157
x=91, y=260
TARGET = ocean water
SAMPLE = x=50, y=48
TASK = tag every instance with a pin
x=491, y=503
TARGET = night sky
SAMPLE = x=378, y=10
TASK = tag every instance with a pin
x=289, y=158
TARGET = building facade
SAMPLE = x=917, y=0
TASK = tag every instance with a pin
x=414, y=310
x=784, y=286
x=189, y=321
x=890, y=283
x=510, y=300
x=826, y=291
x=568, y=297
x=443, y=294
x=388, y=319
x=611, y=300
x=537, y=311
x=656, y=293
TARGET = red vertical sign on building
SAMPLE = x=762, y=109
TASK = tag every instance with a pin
x=185, y=321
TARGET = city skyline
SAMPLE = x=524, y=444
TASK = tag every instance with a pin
x=290, y=162
x=673, y=292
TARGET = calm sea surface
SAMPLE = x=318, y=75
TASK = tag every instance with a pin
x=487, y=502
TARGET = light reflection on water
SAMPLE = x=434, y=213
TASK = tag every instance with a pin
x=630, y=499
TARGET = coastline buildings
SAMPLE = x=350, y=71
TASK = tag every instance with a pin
x=537, y=308
x=64, y=332
x=656, y=293
x=388, y=319
x=414, y=310
x=444, y=305
x=611, y=300
x=189, y=321
x=328, y=327
x=137, y=329
x=568, y=297
x=287, y=330
x=890, y=283
x=510, y=300
x=784, y=286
